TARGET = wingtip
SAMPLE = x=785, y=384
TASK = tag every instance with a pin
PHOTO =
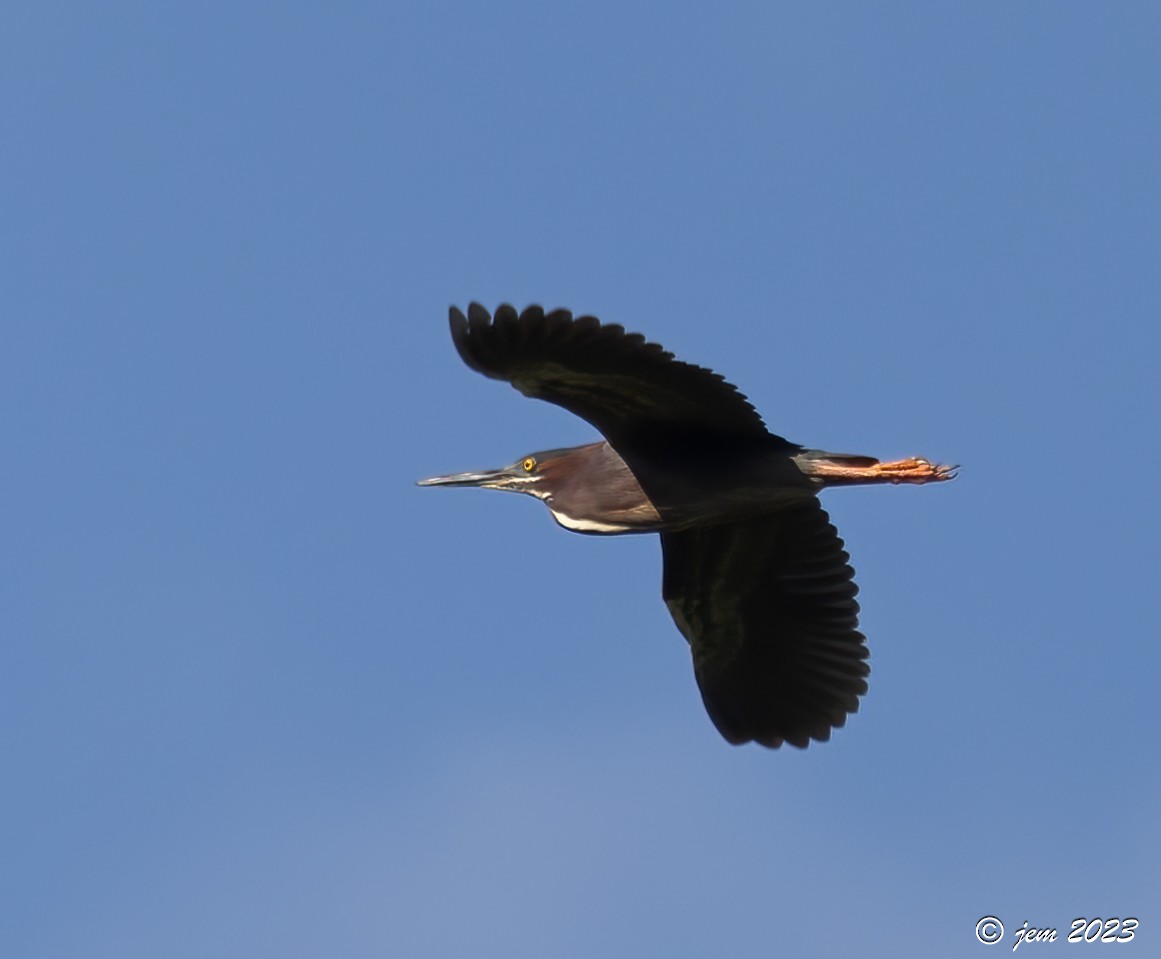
x=460, y=332
x=477, y=313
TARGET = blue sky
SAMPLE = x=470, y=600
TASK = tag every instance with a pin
x=260, y=695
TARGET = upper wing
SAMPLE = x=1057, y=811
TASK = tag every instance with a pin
x=625, y=387
x=769, y=609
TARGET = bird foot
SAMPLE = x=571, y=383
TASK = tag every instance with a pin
x=835, y=470
x=910, y=470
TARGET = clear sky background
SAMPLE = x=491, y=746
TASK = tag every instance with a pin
x=262, y=696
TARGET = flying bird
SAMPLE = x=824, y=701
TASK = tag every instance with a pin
x=755, y=576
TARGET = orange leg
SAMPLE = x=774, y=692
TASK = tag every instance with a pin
x=840, y=470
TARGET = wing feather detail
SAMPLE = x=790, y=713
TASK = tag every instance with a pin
x=769, y=610
x=624, y=386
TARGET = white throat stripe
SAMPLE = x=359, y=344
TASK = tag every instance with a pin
x=588, y=525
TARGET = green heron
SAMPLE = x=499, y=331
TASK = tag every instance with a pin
x=755, y=575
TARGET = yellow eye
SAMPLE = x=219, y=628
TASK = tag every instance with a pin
x=529, y=464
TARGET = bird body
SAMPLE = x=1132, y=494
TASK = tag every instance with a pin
x=755, y=577
x=593, y=490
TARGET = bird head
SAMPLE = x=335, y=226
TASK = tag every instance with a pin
x=526, y=475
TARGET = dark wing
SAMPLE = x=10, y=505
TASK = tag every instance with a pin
x=769, y=609
x=623, y=386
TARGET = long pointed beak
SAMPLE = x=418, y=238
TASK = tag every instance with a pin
x=466, y=479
